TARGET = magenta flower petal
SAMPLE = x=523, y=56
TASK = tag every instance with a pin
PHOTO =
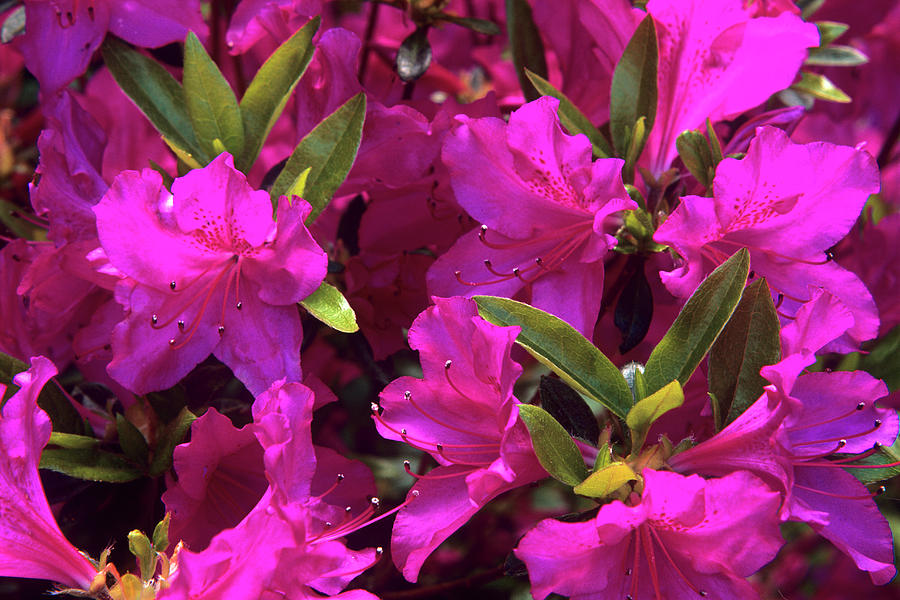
x=31, y=544
x=652, y=547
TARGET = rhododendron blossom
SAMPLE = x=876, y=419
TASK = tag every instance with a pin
x=206, y=270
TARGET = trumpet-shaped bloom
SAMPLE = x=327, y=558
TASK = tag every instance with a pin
x=206, y=270
x=543, y=206
x=31, y=544
x=686, y=537
x=464, y=415
x=787, y=204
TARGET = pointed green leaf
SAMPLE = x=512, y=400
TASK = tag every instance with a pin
x=604, y=457
x=132, y=441
x=329, y=305
x=478, y=25
x=571, y=116
x=695, y=154
x=161, y=534
x=270, y=89
x=155, y=92
x=90, y=464
x=819, y=86
x=328, y=151
x=63, y=416
x=298, y=188
x=836, y=56
x=139, y=546
x=750, y=340
x=637, y=137
x=70, y=440
x=830, y=31
x=698, y=324
x=211, y=103
x=648, y=410
x=554, y=447
x=525, y=44
x=715, y=146
x=871, y=473
x=605, y=481
x=171, y=436
x=559, y=346
x=568, y=407
x=634, y=87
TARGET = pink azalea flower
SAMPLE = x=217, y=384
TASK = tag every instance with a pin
x=788, y=204
x=288, y=545
x=62, y=35
x=544, y=207
x=31, y=544
x=207, y=270
x=686, y=537
x=464, y=415
x=787, y=436
x=717, y=61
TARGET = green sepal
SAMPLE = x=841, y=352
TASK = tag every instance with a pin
x=70, y=440
x=161, y=534
x=819, y=86
x=698, y=324
x=270, y=89
x=139, y=545
x=604, y=457
x=829, y=31
x=553, y=447
x=132, y=441
x=571, y=116
x=329, y=306
x=563, y=349
x=51, y=400
x=636, y=140
x=155, y=92
x=170, y=436
x=328, y=152
x=634, y=87
x=526, y=45
x=648, y=410
x=211, y=103
x=606, y=480
x=750, y=341
x=694, y=151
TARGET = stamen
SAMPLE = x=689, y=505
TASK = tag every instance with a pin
x=873, y=429
x=338, y=480
x=347, y=529
x=408, y=469
x=879, y=491
x=850, y=413
x=687, y=581
x=408, y=396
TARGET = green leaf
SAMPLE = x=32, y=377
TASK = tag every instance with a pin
x=554, y=447
x=633, y=373
x=715, y=146
x=70, y=440
x=830, y=31
x=645, y=412
x=211, y=104
x=637, y=137
x=161, y=534
x=171, y=436
x=132, y=440
x=750, y=340
x=270, y=89
x=130, y=586
x=558, y=345
x=886, y=455
x=698, y=324
x=90, y=464
x=526, y=45
x=299, y=186
x=328, y=151
x=836, y=56
x=63, y=416
x=568, y=407
x=328, y=305
x=139, y=545
x=695, y=154
x=605, y=481
x=478, y=25
x=819, y=86
x=155, y=92
x=414, y=55
x=571, y=116
x=634, y=88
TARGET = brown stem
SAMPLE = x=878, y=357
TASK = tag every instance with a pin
x=367, y=41
x=884, y=156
